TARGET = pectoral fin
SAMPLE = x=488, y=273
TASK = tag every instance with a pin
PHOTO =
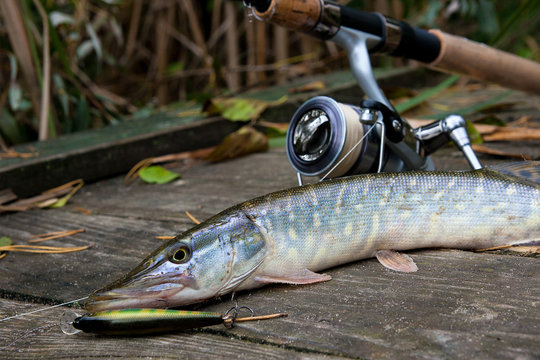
x=396, y=261
x=298, y=277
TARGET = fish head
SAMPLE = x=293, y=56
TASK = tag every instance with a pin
x=207, y=261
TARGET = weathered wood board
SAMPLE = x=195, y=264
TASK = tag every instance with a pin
x=95, y=154
x=459, y=305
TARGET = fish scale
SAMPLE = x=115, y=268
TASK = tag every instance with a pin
x=287, y=236
x=413, y=210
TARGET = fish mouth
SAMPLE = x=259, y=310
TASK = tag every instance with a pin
x=148, y=292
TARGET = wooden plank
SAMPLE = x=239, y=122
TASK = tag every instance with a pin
x=458, y=304
x=106, y=158
x=213, y=343
x=99, y=153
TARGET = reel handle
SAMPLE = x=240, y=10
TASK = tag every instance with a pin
x=432, y=137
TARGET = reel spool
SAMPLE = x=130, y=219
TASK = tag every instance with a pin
x=331, y=139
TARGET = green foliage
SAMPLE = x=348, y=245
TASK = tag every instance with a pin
x=5, y=241
x=157, y=175
x=106, y=63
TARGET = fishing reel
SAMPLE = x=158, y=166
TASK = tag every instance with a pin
x=330, y=139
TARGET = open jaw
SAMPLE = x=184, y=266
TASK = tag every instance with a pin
x=149, y=292
x=132, y=298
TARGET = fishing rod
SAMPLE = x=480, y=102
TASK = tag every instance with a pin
x=328, y=21
x=330, y=139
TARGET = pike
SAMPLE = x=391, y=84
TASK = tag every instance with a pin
x=290, y=235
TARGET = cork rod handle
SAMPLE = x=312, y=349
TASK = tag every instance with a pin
x=479, y=61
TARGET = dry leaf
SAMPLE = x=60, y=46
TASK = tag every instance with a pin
x=54, y=235
x=486, y=150
x=512, y=134
x=43, y=249
x=311, y=86
x=47, y=198
x=12, y=154
x=238, y=109
x=6, y=196
x=244, y=141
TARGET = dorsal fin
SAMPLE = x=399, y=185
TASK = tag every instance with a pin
x=528, y=171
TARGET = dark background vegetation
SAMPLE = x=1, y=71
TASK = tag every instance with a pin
x=67, y=66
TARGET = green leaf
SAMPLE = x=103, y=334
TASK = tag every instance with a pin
x=277, y=142
x=15, y=96
x=240, y=110
x=424, y=95
x=5, y=241
x=157, y=175
x=491, y=120
x=474, y=135
x=473, y=108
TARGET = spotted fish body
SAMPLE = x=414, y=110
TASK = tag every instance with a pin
x=288, y=236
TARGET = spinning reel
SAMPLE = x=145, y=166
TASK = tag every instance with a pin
x=331, y=139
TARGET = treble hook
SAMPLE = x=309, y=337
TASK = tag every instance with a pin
x=231, y=315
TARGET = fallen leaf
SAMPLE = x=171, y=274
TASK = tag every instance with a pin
x=274, y=129
x=508, y=133
x=83, y=210
x=7, y=196
x=157, y=175
x=486, y=150
x=186, y=155
x=45, y=199
x=474, y=135
x=244, y=141
x=43, y=249
x=4, y=241
x=238, y=109
x=243, y=110
x=192, y=218
x=311, y=86
x=491, y=120
x=54, y=235
x=76, y=185
x=12, y=154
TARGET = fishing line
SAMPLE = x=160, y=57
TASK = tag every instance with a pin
x=347, y=154
x=48, y=308
x=28, y=333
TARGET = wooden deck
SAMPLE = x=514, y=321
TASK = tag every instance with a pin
x=458, y=305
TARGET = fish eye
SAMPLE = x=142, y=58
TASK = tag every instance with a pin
x=180, y=254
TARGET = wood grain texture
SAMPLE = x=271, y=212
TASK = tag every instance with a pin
x=213, y=343
x=458, y=303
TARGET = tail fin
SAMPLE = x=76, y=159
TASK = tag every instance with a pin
x=524, y=171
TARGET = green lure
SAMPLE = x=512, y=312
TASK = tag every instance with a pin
x=151, y=321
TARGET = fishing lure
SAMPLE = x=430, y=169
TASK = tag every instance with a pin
x=153, y=321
